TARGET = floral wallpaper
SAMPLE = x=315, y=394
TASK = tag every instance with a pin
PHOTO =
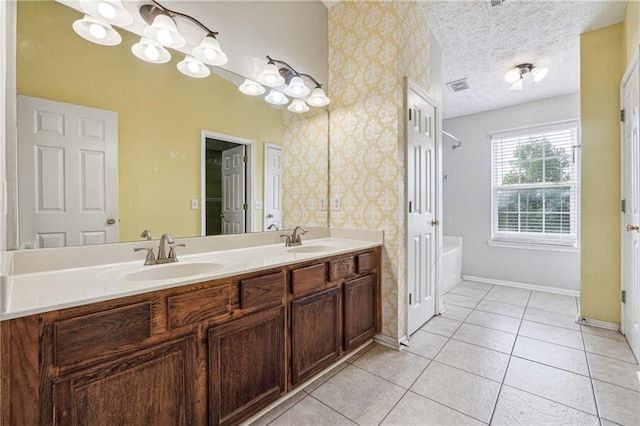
x=373, y=46
x=305, y=158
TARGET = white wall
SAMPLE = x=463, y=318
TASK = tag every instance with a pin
x=467, y=197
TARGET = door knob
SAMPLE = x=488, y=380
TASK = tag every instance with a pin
x=111, y=220
x=633, y=228
x=435, y=222
x=269, y=216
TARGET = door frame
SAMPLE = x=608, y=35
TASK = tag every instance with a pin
x=250, y=178
x=268, y=145
x=635, y=61
x=439, y=307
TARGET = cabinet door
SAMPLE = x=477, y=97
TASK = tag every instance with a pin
x=151, y=387
x=315, y=333
x=359, y=311
x=246, y=365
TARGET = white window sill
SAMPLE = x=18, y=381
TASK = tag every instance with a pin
x=532, y=246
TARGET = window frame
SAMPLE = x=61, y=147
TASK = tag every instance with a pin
x=537, y=239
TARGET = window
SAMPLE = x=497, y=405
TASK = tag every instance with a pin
x=535, y=185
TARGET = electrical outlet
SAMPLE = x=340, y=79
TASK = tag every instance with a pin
x=335, y=204
x=323, y=204
x=194, y=204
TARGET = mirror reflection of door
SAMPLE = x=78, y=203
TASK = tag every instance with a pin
x=225, y=180
x=67, y=174
x=272, y=187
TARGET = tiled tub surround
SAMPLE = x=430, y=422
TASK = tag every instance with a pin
x=498, y=355
x=34, y=281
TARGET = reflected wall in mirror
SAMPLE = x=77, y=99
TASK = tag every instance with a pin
x=161, y=116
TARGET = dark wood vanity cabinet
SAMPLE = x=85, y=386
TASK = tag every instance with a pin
x=213, y=353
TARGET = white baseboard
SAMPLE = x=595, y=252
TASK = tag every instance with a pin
x=556, y=290
x=391, y=342
x=597, y=323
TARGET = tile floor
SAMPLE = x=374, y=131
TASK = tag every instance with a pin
x=498, y=355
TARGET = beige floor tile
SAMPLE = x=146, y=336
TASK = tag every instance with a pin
x=511, y=295
x=474, y=359
x=414, y=409
x=552, y=318
x=359, y=395
x=485, y=337
x=456, y=312
x=516, y=407
x=608, y=347
x=617, y=404
x=476, y=285
x=613, y=371
x=466, y=291
x=495, y=321
x=458, y=300
x=425, y=344
x=603, y=332
x=553, y=302
x=277, y=411
x=557, y=385
x=399, y=367
x=500, y=308
x=551, y=334
x=563, y=357
x=311, y=412
x=457, y=389
x=326, y=376
x=442, y=326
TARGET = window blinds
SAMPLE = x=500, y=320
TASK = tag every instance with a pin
x=535, y=184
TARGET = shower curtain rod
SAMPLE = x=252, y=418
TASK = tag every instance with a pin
x=459, y=142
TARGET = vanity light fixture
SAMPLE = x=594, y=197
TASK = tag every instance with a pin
x=97, y=32
x=250, y=87
x=274, y=76
x=161, y=33
x=516, y=75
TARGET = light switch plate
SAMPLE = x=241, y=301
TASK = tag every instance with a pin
x=194, y=204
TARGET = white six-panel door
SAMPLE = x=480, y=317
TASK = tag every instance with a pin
x=233, y=190
x=67, y=174
x=421, y=192
x=272, y=186
x=631, y=215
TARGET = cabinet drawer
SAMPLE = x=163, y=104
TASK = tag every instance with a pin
x=265, y=290
x=199, y=305
x=366, y=262
x=87, y=336
x=309, y=279
x=341, y=268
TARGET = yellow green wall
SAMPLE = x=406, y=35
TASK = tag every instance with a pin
x=631, y=27
x=601, y=59
x=161, y=114
x=372, y=47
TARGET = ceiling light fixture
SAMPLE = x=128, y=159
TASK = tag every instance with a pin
x=162, y=32
x=516, y=75
x=274, y=76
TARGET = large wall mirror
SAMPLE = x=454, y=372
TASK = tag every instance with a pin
x=172, y=135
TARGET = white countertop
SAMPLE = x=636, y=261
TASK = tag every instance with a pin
x=36, y=292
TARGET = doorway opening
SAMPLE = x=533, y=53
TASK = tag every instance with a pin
x=226, y=185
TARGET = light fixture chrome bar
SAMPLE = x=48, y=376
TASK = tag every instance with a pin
x=293, y=70
x=149, y=11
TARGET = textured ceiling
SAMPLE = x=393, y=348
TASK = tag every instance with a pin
x=481, y=43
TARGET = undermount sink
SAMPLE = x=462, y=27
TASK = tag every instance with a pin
x=173, y=270
x=312, y=248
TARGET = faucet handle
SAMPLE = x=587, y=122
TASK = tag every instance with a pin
x=150, y=256
x=287, y=242
x=172, y=251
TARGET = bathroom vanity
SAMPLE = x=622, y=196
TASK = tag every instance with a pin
x=212, y=351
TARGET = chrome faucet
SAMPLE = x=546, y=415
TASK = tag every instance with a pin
x=294, y=238
x=162, y=251
x=146, y=234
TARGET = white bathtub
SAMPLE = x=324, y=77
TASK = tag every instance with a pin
x=451, y=262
